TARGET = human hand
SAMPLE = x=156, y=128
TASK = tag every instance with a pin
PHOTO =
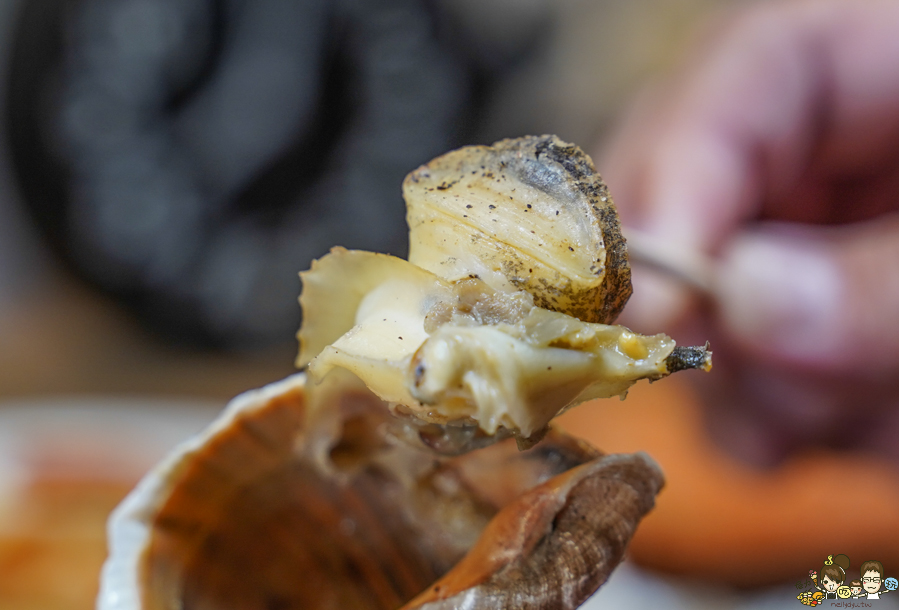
x=776, y=152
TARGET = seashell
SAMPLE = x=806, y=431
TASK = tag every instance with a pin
x=252, y=514
x=379, y=477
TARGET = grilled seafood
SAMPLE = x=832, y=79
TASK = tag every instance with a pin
x=500, y=319
x=355, y=484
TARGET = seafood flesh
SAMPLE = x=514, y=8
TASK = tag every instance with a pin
x=500, y=318
x=383, y=475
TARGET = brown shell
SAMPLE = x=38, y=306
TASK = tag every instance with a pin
x=254, y=515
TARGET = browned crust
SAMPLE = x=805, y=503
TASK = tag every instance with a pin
x=541, y=162
x=617, y=287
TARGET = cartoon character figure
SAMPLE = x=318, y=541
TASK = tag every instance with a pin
x=855, y=588
x=833, y=574
x=872, y=578
x=807, y=598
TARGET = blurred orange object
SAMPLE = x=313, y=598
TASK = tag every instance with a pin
x=53, y=543
x=64, y=465
x=719, y=519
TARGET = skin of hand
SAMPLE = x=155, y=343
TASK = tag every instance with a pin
x=775, y=151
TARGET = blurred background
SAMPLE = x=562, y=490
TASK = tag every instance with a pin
x=168, y=166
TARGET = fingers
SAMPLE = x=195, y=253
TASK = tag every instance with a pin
x=686, y=167
x=806, y=344
x=761, y=411
x=789, y=85
x=789, y=95
x=825, y=299
x=790, y=116
x=692, y=162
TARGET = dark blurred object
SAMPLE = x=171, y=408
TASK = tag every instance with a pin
x=191, y=156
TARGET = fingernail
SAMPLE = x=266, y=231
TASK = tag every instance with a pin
x=782, y=294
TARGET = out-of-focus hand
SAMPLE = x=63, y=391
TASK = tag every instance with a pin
x=776, y=151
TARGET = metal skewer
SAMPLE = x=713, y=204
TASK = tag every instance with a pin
x=690, y=267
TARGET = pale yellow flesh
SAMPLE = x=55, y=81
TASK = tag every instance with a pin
x=453, y=336
x=470, y=214
x=502, y=362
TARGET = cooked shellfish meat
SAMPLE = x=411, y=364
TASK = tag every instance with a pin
x=302, y=495
x=501, y=318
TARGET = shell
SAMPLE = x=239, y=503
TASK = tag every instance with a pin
x=355, y=485
x=270, y=508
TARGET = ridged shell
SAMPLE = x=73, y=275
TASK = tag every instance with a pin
x=257, y=514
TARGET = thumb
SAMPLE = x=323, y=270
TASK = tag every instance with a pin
x=823, y=297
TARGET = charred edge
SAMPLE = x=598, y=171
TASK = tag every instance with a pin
x=569, y=156
x=618, y=288
x=684, y=357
